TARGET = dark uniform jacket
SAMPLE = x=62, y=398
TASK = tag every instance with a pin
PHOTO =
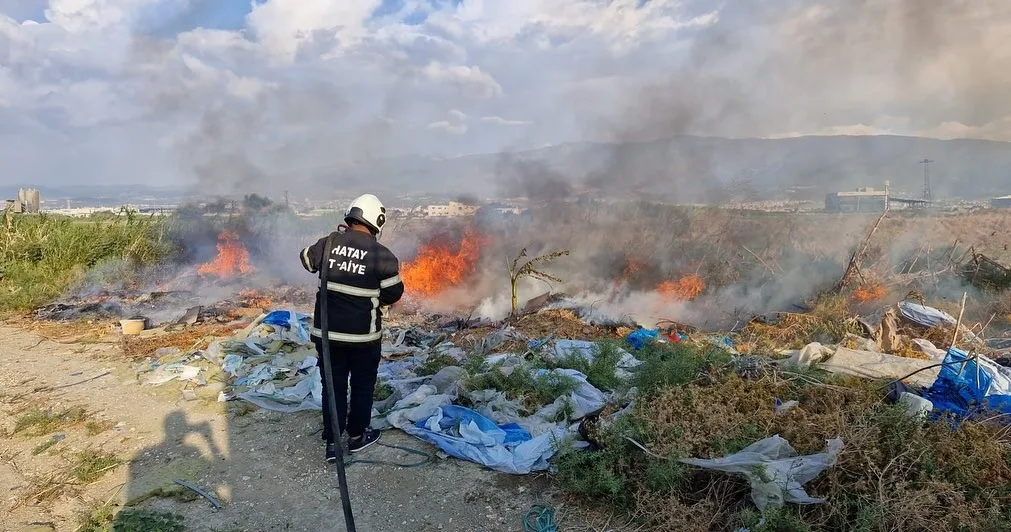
x=363, y=276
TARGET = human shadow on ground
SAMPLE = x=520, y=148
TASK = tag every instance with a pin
x=187, y=453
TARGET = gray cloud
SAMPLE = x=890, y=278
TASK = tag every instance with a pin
x=297, y=91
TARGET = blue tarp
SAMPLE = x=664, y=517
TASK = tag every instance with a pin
x=289, y=319
x=463, y=433
x=960, y=393
x=641, y=337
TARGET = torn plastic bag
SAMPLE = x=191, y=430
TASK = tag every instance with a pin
x=774, y=471
x=641, y=337
x=291, y=320
x=923, y=315
x=494, y=405
x=168, y=372
x=420, y=404
x=957, y=390
x=463, y=433
x=307, y=394
x=586, y=399
x=866, y=364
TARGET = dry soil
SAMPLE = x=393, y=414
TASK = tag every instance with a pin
x=266, y=468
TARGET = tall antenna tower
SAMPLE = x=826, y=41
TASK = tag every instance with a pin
x=927, y=195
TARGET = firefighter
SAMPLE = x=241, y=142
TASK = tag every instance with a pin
x=363, y=276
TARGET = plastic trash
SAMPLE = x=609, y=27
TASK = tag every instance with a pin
x=421, y=404
x=916, y=406
x=782, y=407
x=923, y=315
x=774, y=471
x=586, y=399
x=641, y=337
x=866, y=364
x=959, y=391
x=169, y=372
x=291, y=320
x=465, y=434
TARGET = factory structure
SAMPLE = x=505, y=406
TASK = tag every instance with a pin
x=1002, y=202
x=452, y=209
x=28, y=201
x=864, y=199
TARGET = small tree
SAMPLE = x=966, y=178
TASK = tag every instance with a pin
x=529, y=269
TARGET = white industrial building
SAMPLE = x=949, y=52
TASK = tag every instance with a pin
x=452, y=209
x=28, y=201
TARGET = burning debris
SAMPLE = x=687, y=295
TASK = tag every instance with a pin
x=232, y=258
x=441, y=264
x=686, y=288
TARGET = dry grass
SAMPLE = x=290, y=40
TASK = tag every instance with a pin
x=39, y=421
x=828, y=322
x=139, y=347
x=65, y=332
x=561, y=323
x=84, y=468
x=894, y=472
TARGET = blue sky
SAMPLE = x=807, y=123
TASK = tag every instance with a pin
x=113, y=91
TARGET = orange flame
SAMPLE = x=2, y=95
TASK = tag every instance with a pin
x=440, y=265
x=683, y=289
x=232, y=258
x=252, y=299
x=869, y=292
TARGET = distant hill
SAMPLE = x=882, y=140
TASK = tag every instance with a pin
x=696, y=168
x=684, y=168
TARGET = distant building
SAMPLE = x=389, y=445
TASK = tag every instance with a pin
x=452, y=209
x=29, y=197
x=28, y=200
x=865, y=199
x=1003, y=202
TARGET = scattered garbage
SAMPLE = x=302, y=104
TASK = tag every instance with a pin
x=916, y=406
x=426, y=382
x=867, y=364
x=774, y=471
x=463, y=433
x=969, y=385
x=169, y=372
x=924, y=315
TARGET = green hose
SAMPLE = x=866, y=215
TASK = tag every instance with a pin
x=540, y=519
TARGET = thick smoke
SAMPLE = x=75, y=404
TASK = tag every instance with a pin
x=783, y=66
x=532, y=179
x=803, y=66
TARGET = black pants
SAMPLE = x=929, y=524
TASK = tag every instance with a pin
x=360, y=362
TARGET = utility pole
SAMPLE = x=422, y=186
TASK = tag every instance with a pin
x=926, y=180
x=286, y=199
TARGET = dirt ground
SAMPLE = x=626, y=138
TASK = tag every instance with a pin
x=266, y=468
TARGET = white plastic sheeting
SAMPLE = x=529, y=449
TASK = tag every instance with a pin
x=774, y=471
x=465, y=434
x=867, y=364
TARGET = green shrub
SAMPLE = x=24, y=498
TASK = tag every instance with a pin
x=42, y=256
x=600, y=370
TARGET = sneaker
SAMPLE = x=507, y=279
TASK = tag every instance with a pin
x=357, y=444
x=331, y=452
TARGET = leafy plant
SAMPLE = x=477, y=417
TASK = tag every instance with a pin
x=529, y=268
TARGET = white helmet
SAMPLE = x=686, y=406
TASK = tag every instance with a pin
x=368, y=210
